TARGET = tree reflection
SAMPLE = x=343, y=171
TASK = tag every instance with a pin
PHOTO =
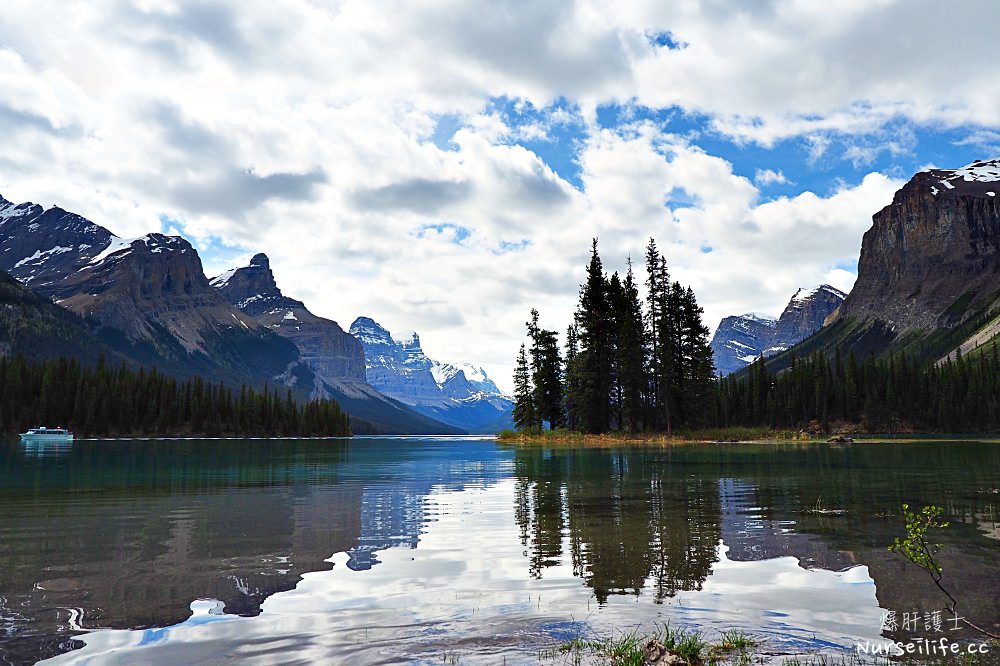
x=628, y=519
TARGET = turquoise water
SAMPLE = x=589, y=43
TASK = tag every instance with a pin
x=459, y=550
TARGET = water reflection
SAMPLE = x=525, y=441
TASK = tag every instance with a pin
x=650, y=520
x=127, y=533
x=628, y=517
x=52, y=449
x=440, y=543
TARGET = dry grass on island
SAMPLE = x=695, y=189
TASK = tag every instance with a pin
x=708, y=435
x=563, y=437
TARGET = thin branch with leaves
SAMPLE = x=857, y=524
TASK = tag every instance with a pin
x=917, y=549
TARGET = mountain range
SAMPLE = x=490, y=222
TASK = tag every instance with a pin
x=741, y=339
x=928, y=286
x=85, y=292
x=461, y=395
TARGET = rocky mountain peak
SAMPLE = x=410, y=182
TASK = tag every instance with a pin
x=332, y=354
x=804, y=315
x=41, y=248
x=460, y=394
x=370, y=333
x=253, y=288
x=932, y=257
x=741, y=339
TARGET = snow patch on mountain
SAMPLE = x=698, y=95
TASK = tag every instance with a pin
x=39, y=254
x=220, y=281
x=971, y=179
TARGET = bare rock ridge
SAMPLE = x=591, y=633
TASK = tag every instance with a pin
x=458, y=394
x=741, y=339
x=333, y=354
x=933, y=254
x=804, y=315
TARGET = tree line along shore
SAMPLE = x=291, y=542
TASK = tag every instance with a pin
x=641, y=369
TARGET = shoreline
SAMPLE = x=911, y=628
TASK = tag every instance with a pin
x=709, y=437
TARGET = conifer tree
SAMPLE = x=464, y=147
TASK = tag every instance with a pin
x=696, y=356
x=524, y=404
x=546, y=374
x=593, y=317
x=631, y=354
x=572, y=378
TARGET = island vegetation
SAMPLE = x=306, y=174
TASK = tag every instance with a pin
x=641, y=369
x=104, y=400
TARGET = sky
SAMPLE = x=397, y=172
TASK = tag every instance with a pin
x=442, y=166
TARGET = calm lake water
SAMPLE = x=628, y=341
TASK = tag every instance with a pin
x=453, y=550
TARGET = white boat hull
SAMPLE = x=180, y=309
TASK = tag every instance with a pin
x=25, y=437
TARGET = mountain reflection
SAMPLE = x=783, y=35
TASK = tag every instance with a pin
x=127, y=533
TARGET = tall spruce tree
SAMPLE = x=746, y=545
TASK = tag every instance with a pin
x=631, y=354
x=616, y=299
x=661, y=321
x=594, y=319
x=695, y=398
x=546, y=373
x=571, y=378
x=524, y=403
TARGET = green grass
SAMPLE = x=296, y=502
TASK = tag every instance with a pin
x=626, y=648
x=731, y=648
x=734, y=639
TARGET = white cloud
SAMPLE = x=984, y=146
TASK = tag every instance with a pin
x=303, y=128
x=769, y=177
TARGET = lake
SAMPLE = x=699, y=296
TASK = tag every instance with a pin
x=463, y=550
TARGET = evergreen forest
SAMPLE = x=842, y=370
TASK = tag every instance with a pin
x=104, y=400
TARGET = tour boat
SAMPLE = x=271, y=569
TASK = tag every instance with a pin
x=43, y=434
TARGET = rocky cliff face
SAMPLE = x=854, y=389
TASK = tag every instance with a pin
x=932, y=257
x=739, y=340
x=397, y=366
x=461, y=394
x=41, y=247
x=335, y=355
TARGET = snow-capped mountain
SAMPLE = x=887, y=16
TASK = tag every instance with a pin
x=928, y=282
x=333, y=353
x=803, y=316
x=148, y=301
x=459, y=394
x=741, y=339
x=461, y=379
